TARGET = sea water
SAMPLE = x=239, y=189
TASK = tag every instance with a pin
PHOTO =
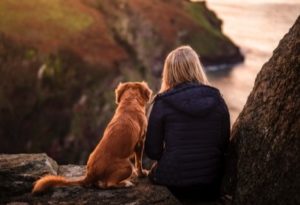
x=256, y=27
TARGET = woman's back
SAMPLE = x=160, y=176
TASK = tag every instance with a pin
x=188, y=129
x=188, y=132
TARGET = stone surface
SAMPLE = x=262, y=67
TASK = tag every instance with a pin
x=17, y=173
x=264, y=157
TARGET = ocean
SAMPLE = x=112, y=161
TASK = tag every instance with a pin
x=256, y=27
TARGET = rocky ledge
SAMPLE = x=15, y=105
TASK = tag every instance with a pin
x=19, y=171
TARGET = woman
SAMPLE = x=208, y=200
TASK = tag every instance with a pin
x=188, y=129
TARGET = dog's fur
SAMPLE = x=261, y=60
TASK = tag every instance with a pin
x=109, y=164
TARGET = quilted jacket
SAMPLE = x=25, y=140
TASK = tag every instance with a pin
x=188, y=133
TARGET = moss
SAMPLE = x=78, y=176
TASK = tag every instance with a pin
x=30, y=54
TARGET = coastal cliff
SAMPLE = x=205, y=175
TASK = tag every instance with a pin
x=60, y=61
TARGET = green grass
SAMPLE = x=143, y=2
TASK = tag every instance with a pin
x=197, y=11
x=36, y=18
x=206, y=42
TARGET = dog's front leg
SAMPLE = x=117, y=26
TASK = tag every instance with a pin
x=139, y=148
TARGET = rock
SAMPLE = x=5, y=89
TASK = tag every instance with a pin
x=18, y=172
x=264, y=160
x=23, y=169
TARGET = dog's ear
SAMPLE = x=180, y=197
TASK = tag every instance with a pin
x=119, y=91
x=145, y=91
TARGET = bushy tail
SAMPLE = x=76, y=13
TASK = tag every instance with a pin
x=51, y=181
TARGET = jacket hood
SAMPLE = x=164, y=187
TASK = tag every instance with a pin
x=192, y=99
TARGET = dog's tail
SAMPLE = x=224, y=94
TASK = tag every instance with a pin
x=52, y=181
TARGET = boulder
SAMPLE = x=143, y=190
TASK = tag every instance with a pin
x=18, y=172
x=264, y=158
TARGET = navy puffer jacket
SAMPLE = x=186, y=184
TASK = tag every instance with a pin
x=188, y=132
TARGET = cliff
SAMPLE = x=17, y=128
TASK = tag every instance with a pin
x=263, y=165
x=60, y=61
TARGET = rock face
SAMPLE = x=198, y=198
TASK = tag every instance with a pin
x=265, y=150
x=18, y=172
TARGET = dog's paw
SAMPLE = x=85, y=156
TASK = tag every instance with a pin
x=128, y=183
x=143, y=173
x=134, y=172
x=100, y=185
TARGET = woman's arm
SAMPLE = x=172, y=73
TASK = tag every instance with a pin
x=226, y=129
x=154, y=143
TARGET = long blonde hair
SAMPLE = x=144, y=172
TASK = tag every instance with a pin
x=182, y=65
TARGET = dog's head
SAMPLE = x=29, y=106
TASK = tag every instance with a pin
x=140, y=90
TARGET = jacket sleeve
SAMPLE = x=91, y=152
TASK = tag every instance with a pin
x=226, y=129
x=225, y=139
x=154, y=144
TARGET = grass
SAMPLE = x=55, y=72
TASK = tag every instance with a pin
x=208, y=41
x=197, y=11
x=41, y=19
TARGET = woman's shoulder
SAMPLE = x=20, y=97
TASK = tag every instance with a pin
x=188, y=89
x=195, y=100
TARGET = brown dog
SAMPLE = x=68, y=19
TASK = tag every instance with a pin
x=109, y=164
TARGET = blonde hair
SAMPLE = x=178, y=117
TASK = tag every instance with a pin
x=182, y=65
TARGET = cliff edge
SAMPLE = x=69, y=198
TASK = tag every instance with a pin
x=18, y=172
